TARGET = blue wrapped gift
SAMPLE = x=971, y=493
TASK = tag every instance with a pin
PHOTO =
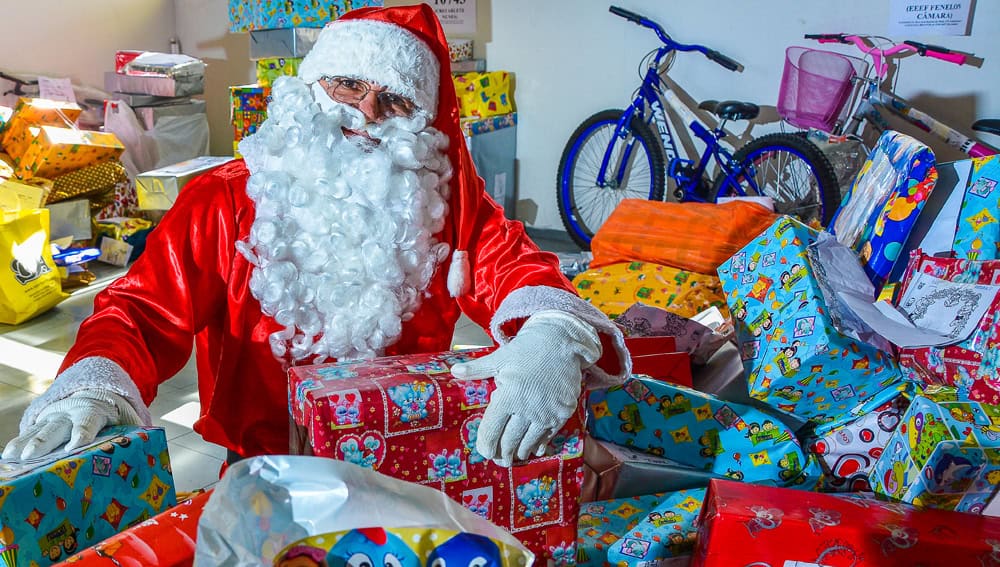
x=249, y=15
x=944, y=455
x=882, y=206
x=796, y=361
x=978, y=234
x=701, y=431
x=668, y=530
x=602, y=524
x=59, y=505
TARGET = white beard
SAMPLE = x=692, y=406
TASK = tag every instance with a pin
x=343, y=240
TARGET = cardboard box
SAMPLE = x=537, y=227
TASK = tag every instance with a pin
x=701, y=431
x=744, y=524
x=158, y=189
x=407, y=417
x=943, y=455
x=57, y=151
x=67, y=503
x=284, y=42
x=612, y=471
x=796, y=361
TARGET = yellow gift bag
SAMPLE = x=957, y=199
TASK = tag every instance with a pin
x=29, y=281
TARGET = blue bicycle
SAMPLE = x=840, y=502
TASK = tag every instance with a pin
x=615, y=155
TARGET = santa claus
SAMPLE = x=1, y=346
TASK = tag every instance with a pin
x=356, y=227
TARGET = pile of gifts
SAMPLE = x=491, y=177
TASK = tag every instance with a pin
x=157, y=85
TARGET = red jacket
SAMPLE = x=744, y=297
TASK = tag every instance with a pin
x=191, y=286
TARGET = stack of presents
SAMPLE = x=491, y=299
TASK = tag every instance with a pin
x=69, y=196
x=281, y=33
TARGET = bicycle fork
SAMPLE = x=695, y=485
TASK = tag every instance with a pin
x=622, y=163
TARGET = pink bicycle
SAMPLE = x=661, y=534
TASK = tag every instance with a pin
x=819, y=90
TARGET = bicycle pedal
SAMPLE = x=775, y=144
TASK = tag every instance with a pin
x=683, y=170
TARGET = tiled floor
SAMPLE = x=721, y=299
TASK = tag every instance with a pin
x=30, y=355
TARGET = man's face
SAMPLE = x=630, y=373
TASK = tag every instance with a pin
x=376, y=102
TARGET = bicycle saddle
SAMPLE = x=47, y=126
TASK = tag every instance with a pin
x=731, y=109
x=990, y=125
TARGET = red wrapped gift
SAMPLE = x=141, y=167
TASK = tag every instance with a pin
x=745, y=524
x=407, y=417
x=166, y=540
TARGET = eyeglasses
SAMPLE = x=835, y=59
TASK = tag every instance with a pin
x=353, y=91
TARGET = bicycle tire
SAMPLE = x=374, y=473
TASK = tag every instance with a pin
x=583, y=215
x=816, y=205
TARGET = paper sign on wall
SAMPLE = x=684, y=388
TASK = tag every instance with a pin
x=457, y=16
x=56, y=89
x=925, y=17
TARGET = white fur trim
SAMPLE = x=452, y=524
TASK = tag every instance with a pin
x=526, y=301
x=458, y=274
x=379, y=52
x=94, y=372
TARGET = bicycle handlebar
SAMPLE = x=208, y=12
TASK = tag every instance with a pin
x=878, y=55
x=670, y=43
x=938, y=52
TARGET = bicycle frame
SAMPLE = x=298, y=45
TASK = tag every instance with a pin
x=876, y=98
x=654, y=94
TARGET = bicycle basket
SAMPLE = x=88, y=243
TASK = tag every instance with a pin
x=816, y=87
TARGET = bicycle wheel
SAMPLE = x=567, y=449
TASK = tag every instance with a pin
x=583, y=204
x=789, y=169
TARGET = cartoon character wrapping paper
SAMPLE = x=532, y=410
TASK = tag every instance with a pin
x=249, y=15
x=603, y=523
x=400, y=547
x=407, y=417
x=978, y=233
x=972, y=366
x=62, y=506
x=668, y=530
x=616, y=287
x=943, y=455
x=701, y=431
x=796, y=361
x=744, y=524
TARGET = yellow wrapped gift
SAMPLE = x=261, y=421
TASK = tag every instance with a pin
x=268, y=70
x=616, y=287
x=484, y=94
x=57, y=151
x=34, y=112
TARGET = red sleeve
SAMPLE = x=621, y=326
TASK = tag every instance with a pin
x=146, y=320
x=502, y=259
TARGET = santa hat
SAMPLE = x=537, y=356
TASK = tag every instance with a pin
x=404, y=48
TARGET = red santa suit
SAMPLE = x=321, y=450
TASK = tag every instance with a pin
x=191, y=287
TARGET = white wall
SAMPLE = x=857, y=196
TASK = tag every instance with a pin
x=572, y=58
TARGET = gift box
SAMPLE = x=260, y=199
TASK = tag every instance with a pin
x=158, y=189
x=700, y=431
x=407, y=417
x=95, y=180
x=70, y=219
x=249, y=110
x=612, y=471
x=796, y=361
x=615, y=288
x=943, y=455
x=270, y=69
x=34, y=112
x=57, y=151
x=971, y=365
x=284, y=42
x=743, y=524
x=459, y=49
x=484, y=94
x=165, y=540
x=155, y=85
x=888, y=194
x=252, y=15
x=121, y=240
x=849, y=452
x=473, y=126
x=978, y=234
x=492, y=144
x=155, y=64
x=121, y=202
x=150, y=115
x=602, y=524
x=468, y=66
x=641, y=320
x=59, y=505
x=667, y=531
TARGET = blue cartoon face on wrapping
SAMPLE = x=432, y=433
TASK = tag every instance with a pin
x=412, y=398
x=472, y=434
x=535, y=495
x=447, y=465
x=477, y=394
x=466, y=550
x=371, y=547
x=365, y=457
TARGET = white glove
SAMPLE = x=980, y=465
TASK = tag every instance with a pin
x=538, y=378
x=74, y=421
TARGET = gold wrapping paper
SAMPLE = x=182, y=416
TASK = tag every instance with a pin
x=92, y=181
